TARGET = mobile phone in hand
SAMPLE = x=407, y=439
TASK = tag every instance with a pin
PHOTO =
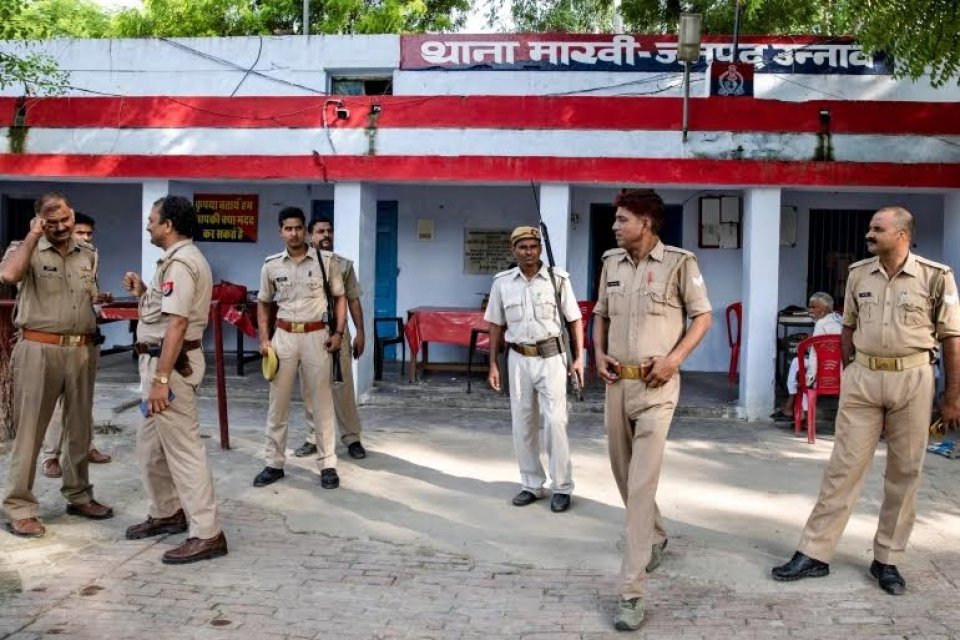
x=145, y=407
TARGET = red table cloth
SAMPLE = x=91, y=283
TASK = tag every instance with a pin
x=450, y=325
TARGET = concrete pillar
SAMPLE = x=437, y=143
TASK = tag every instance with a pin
x=951, y=230
x=761, y=266
x=355, y=212
x=152, y=191
x=555, y=210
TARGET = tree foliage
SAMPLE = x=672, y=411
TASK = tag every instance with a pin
x=36, y=73
x=264, y=17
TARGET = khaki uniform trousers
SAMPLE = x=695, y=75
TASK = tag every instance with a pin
x=52, y=441
x=344, y=400
x=870, y=400
x=538, y=408
x=637, y=419
x=43, y=373
x=173, y=459
x=303, y=353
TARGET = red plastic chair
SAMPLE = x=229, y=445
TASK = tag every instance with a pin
x=829, y=369
x=734, y=309
x=586, y=310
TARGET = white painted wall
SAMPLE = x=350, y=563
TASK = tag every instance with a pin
x=294, y=65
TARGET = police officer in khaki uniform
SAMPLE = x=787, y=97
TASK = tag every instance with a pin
x=54, y=357
x=344, y=399
x=305, y=340
x=647, y=292
x=83, y=228
x=522, y=310
x=173, y=315
x=898, y=307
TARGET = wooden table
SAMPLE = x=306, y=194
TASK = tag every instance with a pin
x=447, y=325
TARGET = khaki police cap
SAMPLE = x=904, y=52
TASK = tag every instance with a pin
x=524, y=233
x=270, y=364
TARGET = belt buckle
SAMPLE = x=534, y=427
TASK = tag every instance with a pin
x=71, y=341
x=530, y=351
x=297, y=327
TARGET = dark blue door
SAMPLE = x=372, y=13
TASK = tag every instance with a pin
x=385, y=290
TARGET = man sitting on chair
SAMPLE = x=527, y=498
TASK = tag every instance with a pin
x=820, y=307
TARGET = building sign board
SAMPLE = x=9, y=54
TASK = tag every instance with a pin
x=226, y=217
x=624, y=53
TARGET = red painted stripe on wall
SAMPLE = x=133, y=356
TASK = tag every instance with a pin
x=423, y=169
x=498, y=112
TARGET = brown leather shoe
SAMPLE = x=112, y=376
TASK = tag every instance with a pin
x=98, y=457
x=51, y=468
x=26, y=528
x=195, y=549
x=177, y=523
x=93, y=510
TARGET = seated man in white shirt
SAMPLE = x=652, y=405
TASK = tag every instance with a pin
x=820, y=307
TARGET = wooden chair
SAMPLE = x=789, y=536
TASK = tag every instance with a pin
x=827, y=383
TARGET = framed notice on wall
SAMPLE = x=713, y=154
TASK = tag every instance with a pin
x=227, y=218
x=720, y=222
x=486, y=251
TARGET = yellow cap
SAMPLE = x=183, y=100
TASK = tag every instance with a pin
x=524, y=233
x=269, y=364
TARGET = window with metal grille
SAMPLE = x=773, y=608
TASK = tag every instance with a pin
x=361, y=86
x=836, y=241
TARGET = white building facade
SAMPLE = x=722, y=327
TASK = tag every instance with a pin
x=445, y=137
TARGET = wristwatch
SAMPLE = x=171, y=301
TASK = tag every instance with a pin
x=161, y=379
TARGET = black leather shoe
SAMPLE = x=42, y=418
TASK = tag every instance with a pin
x=800, y=566
x=356, y=451
x=560, y=502
x=306, y=449
x=890, y=579
x=269, y=475
x=524, y=498
x=329, y=478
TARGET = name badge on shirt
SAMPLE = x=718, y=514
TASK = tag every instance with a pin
x=280, y=279
x=49, y=268
x=614, y=283
x=865, y=294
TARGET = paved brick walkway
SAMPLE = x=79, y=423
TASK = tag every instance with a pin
x=290, y=577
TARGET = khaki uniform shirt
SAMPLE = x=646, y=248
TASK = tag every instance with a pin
x=56, y=294
x=298, y=286
x=648, y=303
x=904, y=314
x=528, y=308
x=351, y=285
x=181, y=286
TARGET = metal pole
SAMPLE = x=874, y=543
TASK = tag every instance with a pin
x=686, y=99
x=736, y=32
x=306, y=17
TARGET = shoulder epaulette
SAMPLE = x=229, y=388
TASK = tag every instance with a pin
x=673, y=249
x=560, y=273
x=613, y=252
x=931, y=263
x=863, y=262
x=505, y=273
x=273, y=257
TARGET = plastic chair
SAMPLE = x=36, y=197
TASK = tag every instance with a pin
x=829, y=370
x=586, y=310
x=734, y=309
x=381, y=342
